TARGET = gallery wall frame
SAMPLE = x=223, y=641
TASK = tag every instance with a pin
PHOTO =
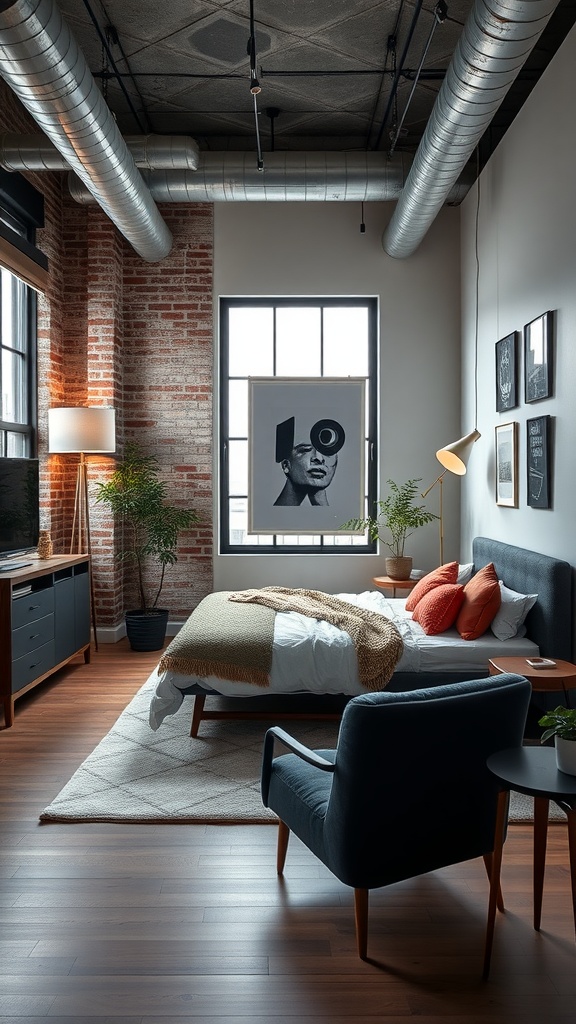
x=538, y=354
x=507, y=372
x=506, y=443
x=306, y=453
x=538, y=459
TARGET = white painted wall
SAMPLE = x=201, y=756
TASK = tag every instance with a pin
x=317, y=249
x=527, y=248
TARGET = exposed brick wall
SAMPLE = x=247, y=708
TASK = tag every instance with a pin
x=115, y=330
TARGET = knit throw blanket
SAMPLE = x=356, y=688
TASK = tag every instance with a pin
x=230, y=635
x=377, y=641
x=230, y=641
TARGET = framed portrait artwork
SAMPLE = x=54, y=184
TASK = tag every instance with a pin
x=506, y=373
x=507, y=464
x=538, y=358
x=306, y=453
x=538, y=461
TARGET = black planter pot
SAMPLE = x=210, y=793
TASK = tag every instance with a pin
x=146, y=630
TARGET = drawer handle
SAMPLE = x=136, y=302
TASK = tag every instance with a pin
x=33, y=636
x=33, y=607
x=34, y=664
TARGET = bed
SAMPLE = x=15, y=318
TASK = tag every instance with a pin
x=314, y=663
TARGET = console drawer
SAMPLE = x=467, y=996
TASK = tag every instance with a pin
x=31, y=636
x=32, y=606
x=26, y=669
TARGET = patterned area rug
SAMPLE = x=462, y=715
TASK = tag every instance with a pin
x=136, y=775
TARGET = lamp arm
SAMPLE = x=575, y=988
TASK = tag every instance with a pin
x=437, y=481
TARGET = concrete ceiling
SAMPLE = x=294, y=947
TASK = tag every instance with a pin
x=334, y=74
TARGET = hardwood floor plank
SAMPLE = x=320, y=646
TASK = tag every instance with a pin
x=178, y=924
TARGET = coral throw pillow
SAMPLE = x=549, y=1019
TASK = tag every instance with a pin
x=438, y=609
x=481, y=602
x=447, y=573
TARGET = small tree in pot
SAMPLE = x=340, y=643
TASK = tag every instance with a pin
x=151, y=527
x=400, y=516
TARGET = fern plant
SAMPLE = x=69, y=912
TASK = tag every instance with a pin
x=151, y=526
x=398, y=514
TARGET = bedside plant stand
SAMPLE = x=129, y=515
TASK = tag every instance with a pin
x=387, y=583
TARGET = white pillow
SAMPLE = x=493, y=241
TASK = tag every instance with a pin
x=513, y=610
x=465, y=573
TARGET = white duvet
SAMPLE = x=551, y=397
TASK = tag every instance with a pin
x=316, y=657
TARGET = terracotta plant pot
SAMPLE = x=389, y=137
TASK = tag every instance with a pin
x=399, y=568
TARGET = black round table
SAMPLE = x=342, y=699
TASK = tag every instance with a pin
x=532, y=770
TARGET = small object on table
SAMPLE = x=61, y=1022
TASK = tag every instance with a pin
x=560, y=675
x=387, y=583
x=45, y=545
x=532, y=770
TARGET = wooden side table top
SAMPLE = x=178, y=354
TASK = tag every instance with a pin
x=387, y=583
x=561, y=677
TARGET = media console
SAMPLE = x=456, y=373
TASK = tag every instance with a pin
x=44, y=622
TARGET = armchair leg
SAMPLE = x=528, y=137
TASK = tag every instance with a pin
x=361, y=917
x=283, y=837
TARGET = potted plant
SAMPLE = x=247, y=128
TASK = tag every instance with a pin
x=151, y=526
x=561, y=723
x=400, y=516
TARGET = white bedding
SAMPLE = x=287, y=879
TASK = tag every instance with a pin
x=317, y=657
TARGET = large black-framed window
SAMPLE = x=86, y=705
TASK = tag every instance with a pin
x=21, y=210
x=290, y=337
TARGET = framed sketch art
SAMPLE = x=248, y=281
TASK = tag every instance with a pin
x=538, y=358
x=507, y=464
x=506, y=373
x=538, y=461
x=306, y=453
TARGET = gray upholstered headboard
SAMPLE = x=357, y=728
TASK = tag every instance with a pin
x=549, y=623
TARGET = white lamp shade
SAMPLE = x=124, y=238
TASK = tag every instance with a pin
x=90, y=430
x=454, y=457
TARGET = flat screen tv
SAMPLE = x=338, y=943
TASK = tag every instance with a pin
x=19, y=505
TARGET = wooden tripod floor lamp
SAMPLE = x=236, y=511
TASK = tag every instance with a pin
x=82, y=431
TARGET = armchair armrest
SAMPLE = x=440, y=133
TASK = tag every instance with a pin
x=276, y=733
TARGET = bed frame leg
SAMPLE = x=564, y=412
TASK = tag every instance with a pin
x=197, y=715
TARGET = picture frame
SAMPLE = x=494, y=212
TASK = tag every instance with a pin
x=538, y=449
x=507, y=372
x=506, y=446
x=306, y=453
x=538, y=358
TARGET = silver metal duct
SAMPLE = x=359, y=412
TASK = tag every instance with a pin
x=287, y=177
x=497, y=39
x=153, y=152
x=43, y=65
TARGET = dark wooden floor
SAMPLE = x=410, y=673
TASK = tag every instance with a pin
x=102, y=924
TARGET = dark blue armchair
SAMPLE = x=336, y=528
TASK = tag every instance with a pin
x=405, y=791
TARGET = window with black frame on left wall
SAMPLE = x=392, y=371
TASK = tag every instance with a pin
x=21, y=212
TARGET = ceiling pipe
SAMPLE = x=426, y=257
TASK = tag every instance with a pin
x=43, y=65
x=286, y=177
x=153, y=152
x=497, y=39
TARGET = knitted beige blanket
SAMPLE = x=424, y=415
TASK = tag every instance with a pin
x=230, y=641
x=377, y=641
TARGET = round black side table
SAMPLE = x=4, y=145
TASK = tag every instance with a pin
x=532, y=770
